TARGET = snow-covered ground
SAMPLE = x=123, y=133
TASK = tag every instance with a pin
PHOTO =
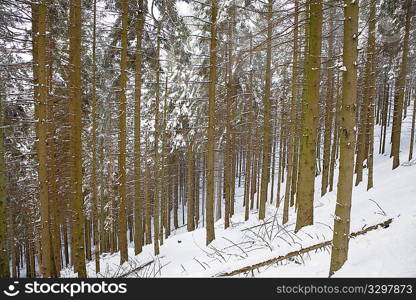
x=389, y=252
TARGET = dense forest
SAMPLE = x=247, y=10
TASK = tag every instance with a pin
x=123, y=121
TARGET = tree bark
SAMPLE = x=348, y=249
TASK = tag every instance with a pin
x=329, y=107
x=122, y=221
x=347, y=134
x=211, y=124
x=138, y=206
x=292, y=119
x=265, y=173
x=4, y=255
x=399, y=91
x=306, y=180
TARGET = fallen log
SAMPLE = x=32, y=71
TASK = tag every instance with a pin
x=384, y=224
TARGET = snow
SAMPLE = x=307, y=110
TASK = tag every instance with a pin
x=184, y=9
x=385, y=252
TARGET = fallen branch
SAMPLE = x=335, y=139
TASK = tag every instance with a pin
x=301, y=251
x=136, y=269
x=262, y=224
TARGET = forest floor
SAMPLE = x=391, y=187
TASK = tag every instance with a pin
x=385, y=252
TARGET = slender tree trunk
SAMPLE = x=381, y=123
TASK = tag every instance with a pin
x=399, y=92
x=250, y=121
x=220, y=181
x=75, y=139
x=94, y=144
x=365, y=111
x=371, y=53
x=329, y=107
x=273, y=165
x=335, y=141
x=41, y=103
x=191, y=191
x=347, y=138
x=292, y=119
x=156, y=190
x=196, y=188
x=306, y=180
x=138, y=206
x=281, y=157
x=164, y=185
x=176, y=193
x=148, y=204
x=265, y=174
x=122, y=221
x=228, y=155
x=4, y=255
x=385, y=101
x=203, y=188
x=103, y=244
x=254, y=187
x=412, y=133
x=211, y=124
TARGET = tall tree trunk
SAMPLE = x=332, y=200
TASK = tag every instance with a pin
x=265, y=173
x=228, y=155
x=347, y=137
x=273, y=161
x=156, y=147
x=122, y=221
x=250, y=121
x=176, y=192
x=412, y=132
x=103, y=233
x=75, y=140
x=191, y=190
x=148, y=203
x=211, y=124
x=94, y=144
x=4, y=255
x=399, y=91
x=138, y=216
x=306, y=181
x=329, y=106
x=292, y=118
x=366, y=109
x=371, y=53
x=42, y=155
x=335, y=142
x=165, y=182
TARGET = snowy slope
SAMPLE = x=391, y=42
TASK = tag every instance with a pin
x=386, y=252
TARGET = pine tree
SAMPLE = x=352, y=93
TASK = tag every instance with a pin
x=329, y=106
x=399, y=91
x=41, y=102
x=4, y=254
x=292, y=119
x=371, y=86
x=307, y=156
x=75, y=137
x=94, y=143
x=347, y=134
x=265, y=173
x=122, y=182
x=138, y=216
x=211, y=123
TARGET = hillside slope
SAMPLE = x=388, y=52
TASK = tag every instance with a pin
x=386, y=252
